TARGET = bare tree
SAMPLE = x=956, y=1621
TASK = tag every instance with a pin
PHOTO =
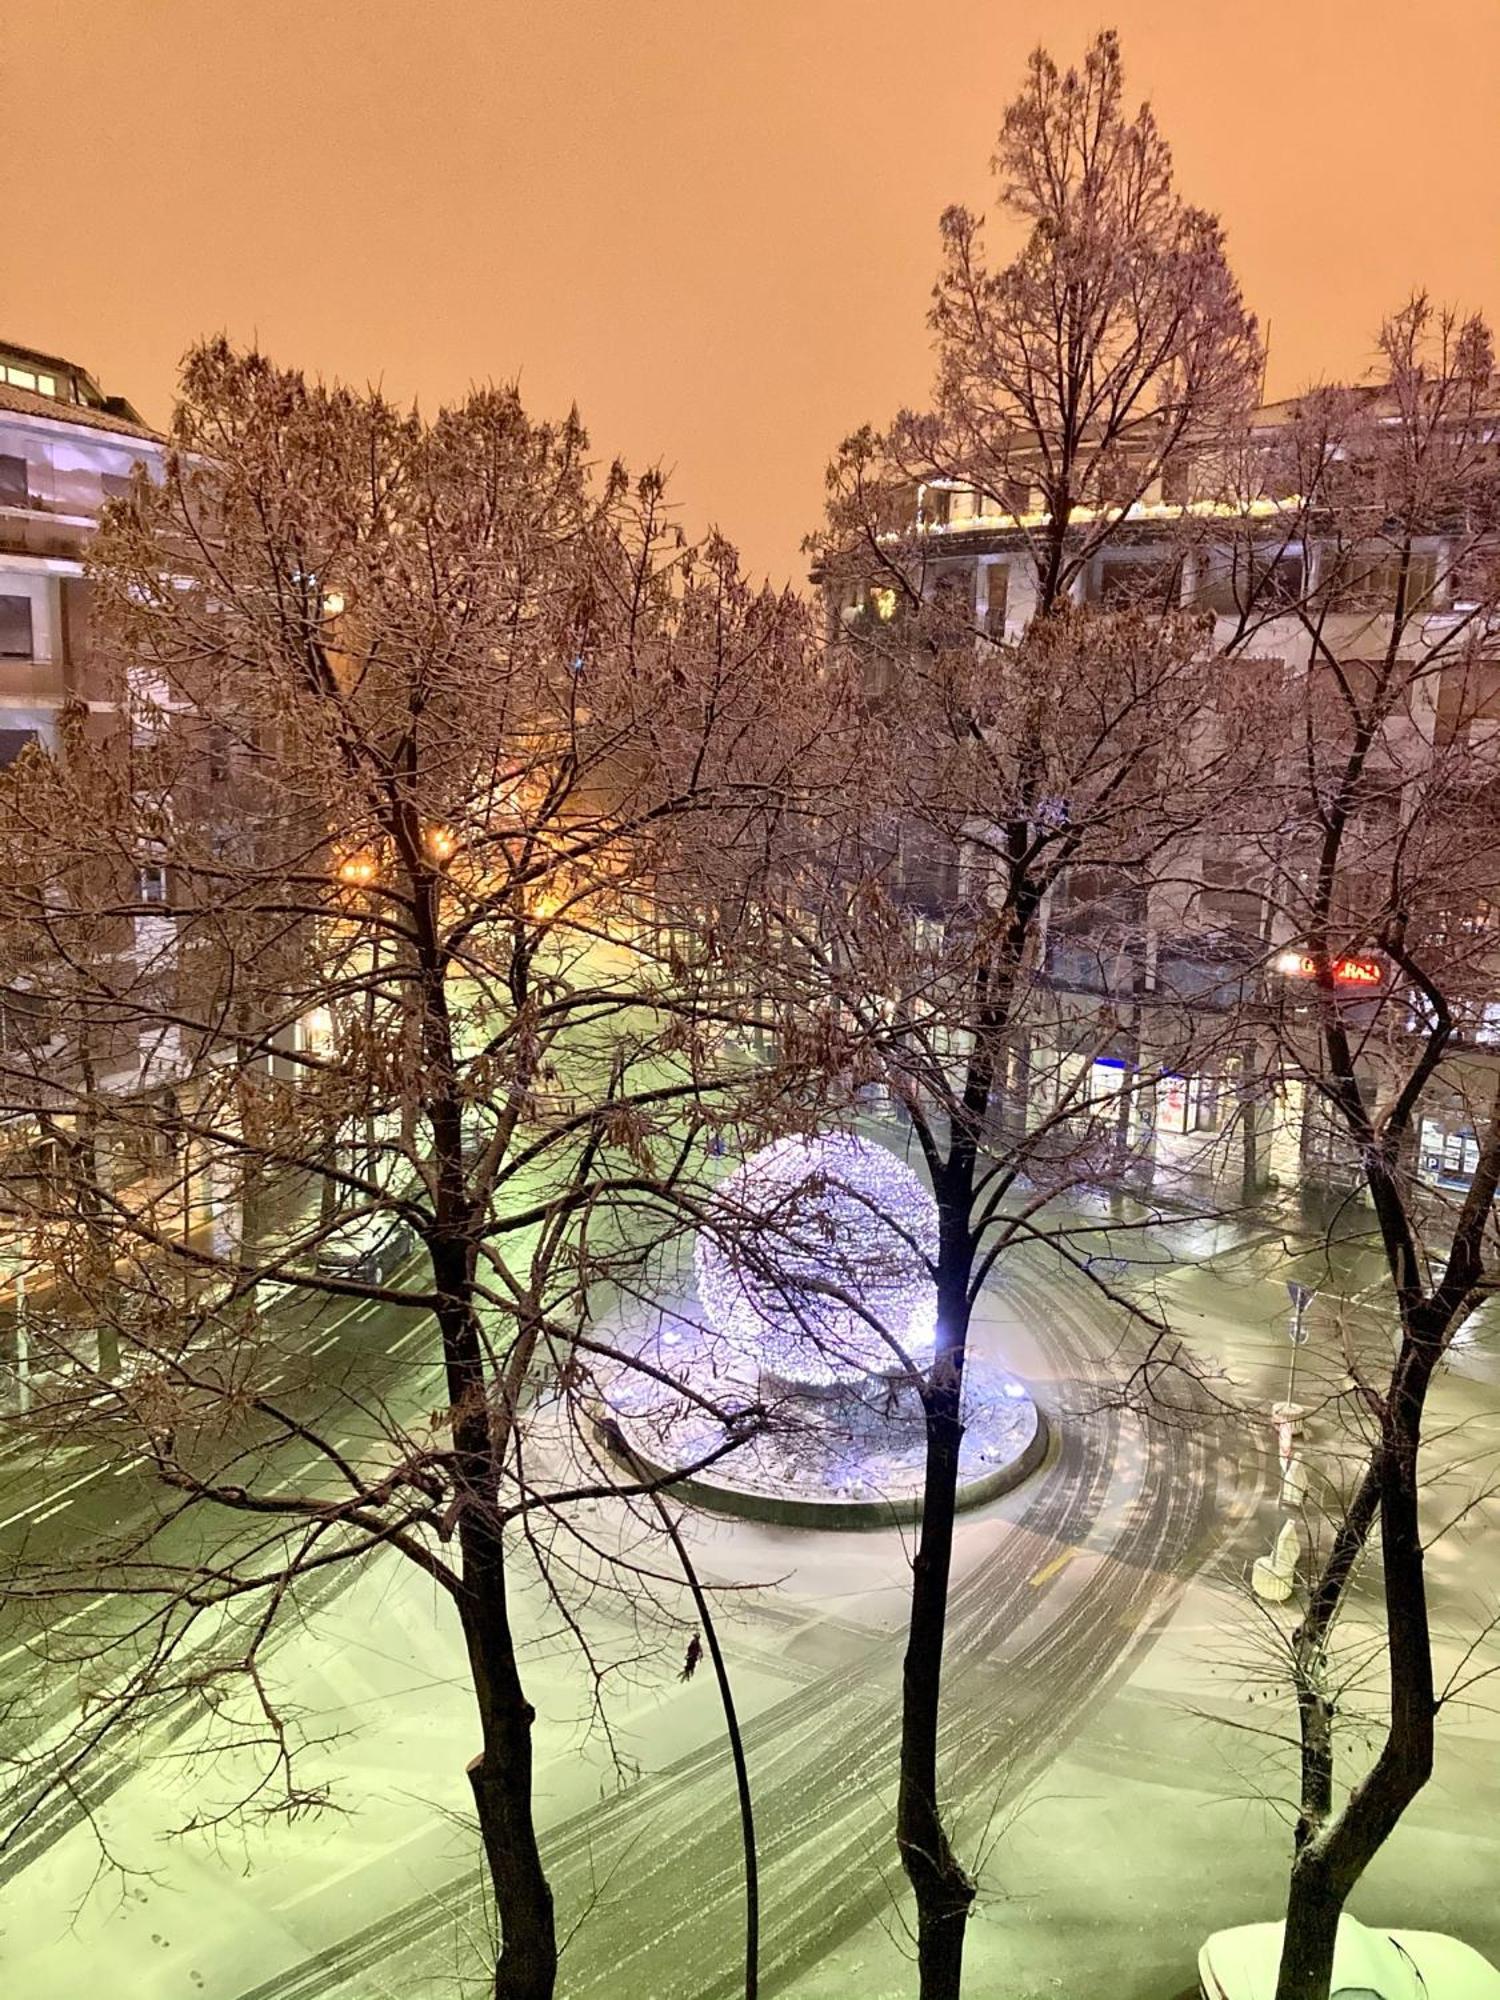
x=1383, y=871
x=1072, y=762
x=1079, y=379
x=915, y=954
x=427, y=722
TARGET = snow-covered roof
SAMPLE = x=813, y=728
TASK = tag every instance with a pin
x=29, y=403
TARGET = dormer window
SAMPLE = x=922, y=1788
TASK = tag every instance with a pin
x=30, y=378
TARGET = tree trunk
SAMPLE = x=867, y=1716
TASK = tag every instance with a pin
x=1314, y=1906
x=940, y=1883
x=501, y=1778
x=1331, y=1860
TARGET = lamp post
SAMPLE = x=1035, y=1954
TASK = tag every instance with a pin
x=1301, y=1297
x=1287, y=1414
x=1274, y=1578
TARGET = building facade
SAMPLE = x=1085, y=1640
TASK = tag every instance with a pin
x=1311, y=588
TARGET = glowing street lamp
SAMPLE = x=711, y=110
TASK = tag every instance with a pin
x=358, y=871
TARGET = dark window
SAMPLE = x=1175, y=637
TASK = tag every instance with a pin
x=15, y=628
x=153, y=882
x=25, y=1022
x=1205, y=1098
x=1145, y=583
x=1017, y=495
x=1118, y=479
x=1243, y=582
x=1362, y=581
x=13, y=742
x=116, y=485
x=15, y=486
x=953, y=601
x=1176, y=481
x=999, y=594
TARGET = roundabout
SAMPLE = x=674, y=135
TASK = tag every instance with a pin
x=789, y=1389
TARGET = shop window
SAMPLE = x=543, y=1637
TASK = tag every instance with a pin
x=1207, y=1099
x=953, y=601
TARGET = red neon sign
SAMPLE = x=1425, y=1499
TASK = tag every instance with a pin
x=1346, y=971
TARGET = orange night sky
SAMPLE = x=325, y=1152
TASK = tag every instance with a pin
x=712, y=222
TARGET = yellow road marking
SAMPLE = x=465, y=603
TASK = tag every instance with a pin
x=1049, y=1570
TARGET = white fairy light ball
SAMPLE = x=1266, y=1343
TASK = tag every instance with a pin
x=815, y=1260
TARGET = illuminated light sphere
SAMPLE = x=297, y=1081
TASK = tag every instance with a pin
x=797, y=1234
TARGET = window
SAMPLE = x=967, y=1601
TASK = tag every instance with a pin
x=153, y=881
x=1205, y=1094
x=999, y=581
x=1244, y=581
x=115, y=485
x=15, y=485
x=28, y=378
x=25, y=1022
x=936, y=504
x=1368, y=580
x=13, y=742
x=1176, y=481
x=15, y=628
x=953, y=603
x=1148, y=583
x=1016, y=496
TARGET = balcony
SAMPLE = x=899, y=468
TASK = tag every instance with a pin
x=40, y=528
x=24, y=680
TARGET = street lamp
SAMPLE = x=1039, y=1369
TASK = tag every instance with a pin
x=1273, y=1578
x=1301, y=1297
x=358, y=870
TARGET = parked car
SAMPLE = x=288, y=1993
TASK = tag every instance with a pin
x=1368, y=1964
x=368, y=1248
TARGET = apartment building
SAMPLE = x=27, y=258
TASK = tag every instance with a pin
x=66, y=449
x=1278, y=577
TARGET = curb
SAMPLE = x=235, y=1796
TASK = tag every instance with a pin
x=859, y=1516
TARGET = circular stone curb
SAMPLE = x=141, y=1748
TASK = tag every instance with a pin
x=642, y=1446
x=744, y=1504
